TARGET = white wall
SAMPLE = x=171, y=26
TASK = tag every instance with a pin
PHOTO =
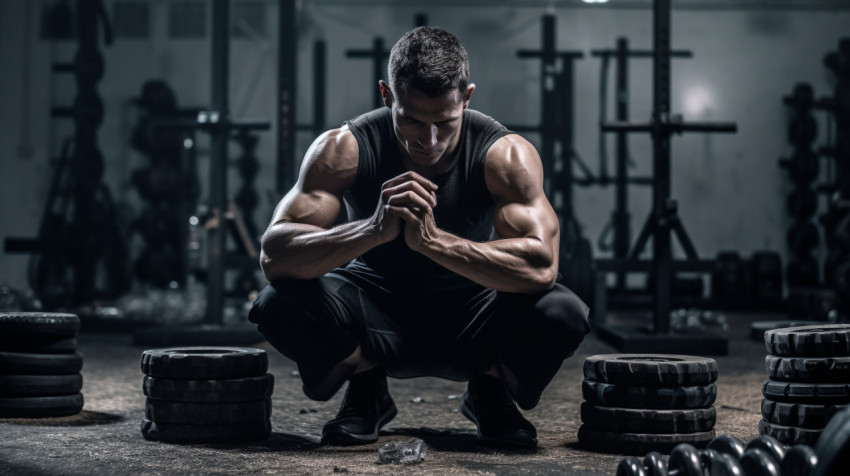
x=730, y=190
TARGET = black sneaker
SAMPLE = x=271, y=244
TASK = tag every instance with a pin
x=500, y=423
x=366, y=408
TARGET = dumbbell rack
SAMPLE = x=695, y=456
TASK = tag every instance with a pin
x=663, y=219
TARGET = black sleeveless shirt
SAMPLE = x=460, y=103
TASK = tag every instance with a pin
x=464, y=205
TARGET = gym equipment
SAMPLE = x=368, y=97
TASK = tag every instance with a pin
x=620, y=218
x=813, y=340
x=663, y=220
x=808, y=369
x=799, y=460
x=630, y=420
x=80, y=253
x=833, y=447
x=662, y=398
x=39, y=367
x=651, y=369
x=638, y=443
x=206, y=394
x=797, y=414
x=790, y=435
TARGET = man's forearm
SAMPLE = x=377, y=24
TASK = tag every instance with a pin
x=299, y=251
x=518, y=265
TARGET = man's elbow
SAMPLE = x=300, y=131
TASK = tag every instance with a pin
x=545, y=279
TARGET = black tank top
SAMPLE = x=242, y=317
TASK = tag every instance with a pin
x=464, y=205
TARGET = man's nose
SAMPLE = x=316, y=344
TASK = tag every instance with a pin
x=428, y=137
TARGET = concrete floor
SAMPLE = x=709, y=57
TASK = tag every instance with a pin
x=105, y=438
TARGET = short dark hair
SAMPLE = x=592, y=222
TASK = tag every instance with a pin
x=431, y=60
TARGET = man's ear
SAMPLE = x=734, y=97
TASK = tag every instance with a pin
x=466, y=99
x=386, y=93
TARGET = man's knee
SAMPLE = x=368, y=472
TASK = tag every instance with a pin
x=563, y=315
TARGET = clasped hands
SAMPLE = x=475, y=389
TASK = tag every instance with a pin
x=407, y=199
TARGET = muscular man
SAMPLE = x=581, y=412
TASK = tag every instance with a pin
x=446, y=265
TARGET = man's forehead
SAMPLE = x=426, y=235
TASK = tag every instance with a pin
x=412, y=102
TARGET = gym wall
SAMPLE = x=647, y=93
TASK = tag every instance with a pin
x=731, y=192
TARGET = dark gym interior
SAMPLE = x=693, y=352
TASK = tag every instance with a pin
x=695, y=152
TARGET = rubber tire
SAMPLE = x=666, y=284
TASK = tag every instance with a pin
x=653, y=398
x=41, y=407
x=209, y=391
x=40, y=364
x=827, y=340
x=40, y=385
x=38, y=324
x=833, y=447
x=813, y=417
x=175, y=433
x=186, y=413
x=662, y=370
x=758, y=328
x=790, y=435
x=808, y=369
x=638, y=443
x=49, y=345
x=200, y=363
x=807, y=393
x=635, y=420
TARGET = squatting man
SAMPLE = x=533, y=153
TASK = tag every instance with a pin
x=443, y=262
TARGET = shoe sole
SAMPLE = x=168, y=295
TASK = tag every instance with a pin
x=352, y=439
x=494, y=441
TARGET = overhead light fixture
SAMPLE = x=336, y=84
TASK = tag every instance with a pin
x=595, y=1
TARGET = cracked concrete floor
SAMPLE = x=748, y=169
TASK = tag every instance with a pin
x=106, y=438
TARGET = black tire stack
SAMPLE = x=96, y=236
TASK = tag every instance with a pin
x=638, y=403
x=808, y=370
x=39, y=365
x=206, y=395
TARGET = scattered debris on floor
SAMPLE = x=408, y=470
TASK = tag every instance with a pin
x=408, y=452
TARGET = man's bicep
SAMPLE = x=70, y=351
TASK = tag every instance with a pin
x=315, y=207
x=534, y=219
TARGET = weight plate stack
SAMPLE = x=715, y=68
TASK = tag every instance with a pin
x=206, y=395
x=639, y=403
x=39, y=365
x=808, y=369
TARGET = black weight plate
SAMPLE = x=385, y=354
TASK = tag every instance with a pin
x=663, y=370
x=15, y=363
x=664, y=398
x=833, y=447
x=828, y=340
x=808, y=369
x=814, y=417
x=176, y=433
x=209, y=391
x=205, y=362
x=789, y=435
x=38, y=324
x=728, y=445
x=39, y=385
x=51, y=345
x=38, y=407
x=187, y=413
x=807, y=393
x=630, y=466
x=636, y=420
x=769, y=444
x=638, y=443
x=757, y=462
x=758, y=328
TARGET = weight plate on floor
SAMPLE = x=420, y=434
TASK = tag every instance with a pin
x=39, y=364
x=205, y=362
x=789, y=435
x=808, y=369
x=222, y=390
x=665, y=398
x=663, y=370
x=187, y=413
x=40, y=407
x=814, y=417
x=38, y=324
x=51, y=345
x=758, y=328
x=39, y=385
x=176, y=433
x=814, y=340
x=638, y=443
x=636, y=420
x=807, y=393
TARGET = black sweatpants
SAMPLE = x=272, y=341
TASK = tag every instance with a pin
x=453, y=334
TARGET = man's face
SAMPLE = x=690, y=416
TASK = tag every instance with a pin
x=427, y=128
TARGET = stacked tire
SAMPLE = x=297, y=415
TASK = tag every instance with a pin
x=808, y=370
x=640, y=403
x=206, y=395
x=39, y=365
